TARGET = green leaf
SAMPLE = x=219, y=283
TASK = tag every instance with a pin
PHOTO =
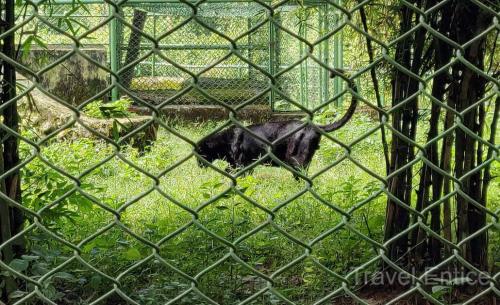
x=40, y=42
x=110, y=106
x=70, y=26
x=84, y=6
x=30, y=257
x=88, y=247
x=309, y=269
x=116, y=130
x=71, y=11
x=438, y=291
x=19, y=265
x=244, y=189
x=40, y=269
x=104, y=243
x=66, y=276
x=132, y=254
x=438, y=288
x=123, y=242
x=17, y=294
x=229, y=194
x=460, y=281
x=27, y=47
x=217, y=185
x=95, y=281
x=85, y=205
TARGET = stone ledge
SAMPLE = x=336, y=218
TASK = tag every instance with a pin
x=256, y=113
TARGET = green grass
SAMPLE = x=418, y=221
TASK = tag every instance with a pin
x=185, y=244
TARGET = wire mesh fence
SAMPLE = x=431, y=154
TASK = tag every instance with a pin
x=233, y=80
x=414, y=219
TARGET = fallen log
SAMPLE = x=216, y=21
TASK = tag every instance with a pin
x=139, y=131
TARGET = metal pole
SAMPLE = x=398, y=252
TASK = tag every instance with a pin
x=249, y=43
x=338, y=60
x=113, y=51
x=321, y=54
x=155, y=17
x=146, y=46
x=272, y=55
x=306, y=67
x=326, y=54
x=303, y=70
x=133, y=2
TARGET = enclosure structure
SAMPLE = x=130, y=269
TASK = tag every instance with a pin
x=160, y=76
x=397, y=208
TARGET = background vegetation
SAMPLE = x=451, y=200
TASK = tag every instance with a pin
x=158, y=223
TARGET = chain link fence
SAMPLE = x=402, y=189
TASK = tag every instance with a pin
x=426, y=159
x=232, y=80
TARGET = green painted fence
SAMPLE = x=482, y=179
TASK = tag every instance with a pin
x=259, y=48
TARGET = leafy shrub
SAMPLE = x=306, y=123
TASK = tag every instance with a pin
x=230, y=216
x=116, y=109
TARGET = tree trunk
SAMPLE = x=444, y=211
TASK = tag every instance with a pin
x=404, y=121
x=11, y=220
x=445, y=165
x=429, y=178
x=467, y=89
x=134, y=47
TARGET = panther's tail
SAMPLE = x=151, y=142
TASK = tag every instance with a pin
x=350, y=111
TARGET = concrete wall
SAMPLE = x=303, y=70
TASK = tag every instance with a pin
x=253, y=113
x=75, y=79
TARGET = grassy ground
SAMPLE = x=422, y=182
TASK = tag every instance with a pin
x=176, y=214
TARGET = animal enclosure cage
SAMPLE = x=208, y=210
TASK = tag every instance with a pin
x=167, y=47
x=409, y=193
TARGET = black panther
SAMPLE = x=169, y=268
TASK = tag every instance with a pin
x=239, y=148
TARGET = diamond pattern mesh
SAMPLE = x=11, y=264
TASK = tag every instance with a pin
x=221, y=53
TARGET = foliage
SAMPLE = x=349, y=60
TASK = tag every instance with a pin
x=154, y=217
x=116, y=109
x=76, y=205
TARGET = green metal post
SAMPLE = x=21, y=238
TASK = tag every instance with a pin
x=324, y=27
x=134, y=2
x=272, y=56
x=155, y=17
x=306, y=67
x=303, y=68
x=113, y=51
x=338, y=60
x=277, y=47
x=249, y=43
x=321, y=54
